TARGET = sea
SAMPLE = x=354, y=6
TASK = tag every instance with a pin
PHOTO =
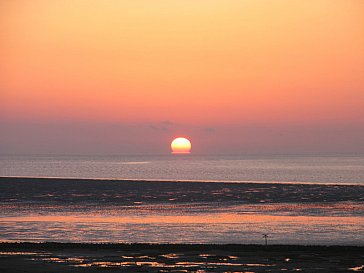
x=216, y=199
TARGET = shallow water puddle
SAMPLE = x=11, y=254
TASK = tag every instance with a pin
x=358, y=268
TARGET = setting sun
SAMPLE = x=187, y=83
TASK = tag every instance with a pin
x=181, y=145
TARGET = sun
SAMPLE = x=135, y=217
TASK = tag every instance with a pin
x=181, y=145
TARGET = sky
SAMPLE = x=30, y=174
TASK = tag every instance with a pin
x=234, y=76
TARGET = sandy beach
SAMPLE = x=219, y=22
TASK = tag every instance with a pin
x=57, y=257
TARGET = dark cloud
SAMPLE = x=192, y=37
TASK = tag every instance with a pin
x=168, y=123
x=164, y=125
x=158, y=128
x=210, y=130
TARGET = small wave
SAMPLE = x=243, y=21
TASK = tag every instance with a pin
x=135, y=162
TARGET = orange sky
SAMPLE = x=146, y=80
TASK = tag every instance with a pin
x=200, y=64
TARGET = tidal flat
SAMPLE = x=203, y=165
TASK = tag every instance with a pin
x=122, y=211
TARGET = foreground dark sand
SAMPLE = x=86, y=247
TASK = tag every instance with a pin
x=59, y=257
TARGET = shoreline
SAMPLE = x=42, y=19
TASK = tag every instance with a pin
x=245, y=182
x=175, y=246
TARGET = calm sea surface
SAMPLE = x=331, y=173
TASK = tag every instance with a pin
x=110, y=206
x=190, y=167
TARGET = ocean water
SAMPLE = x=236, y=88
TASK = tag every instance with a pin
x=318, y=169
x=322, y=203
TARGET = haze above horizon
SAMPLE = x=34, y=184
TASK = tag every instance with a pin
x=254, y=77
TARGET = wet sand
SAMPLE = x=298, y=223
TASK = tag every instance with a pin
x=127, y=192
x=71, y=257
x=122, y=211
